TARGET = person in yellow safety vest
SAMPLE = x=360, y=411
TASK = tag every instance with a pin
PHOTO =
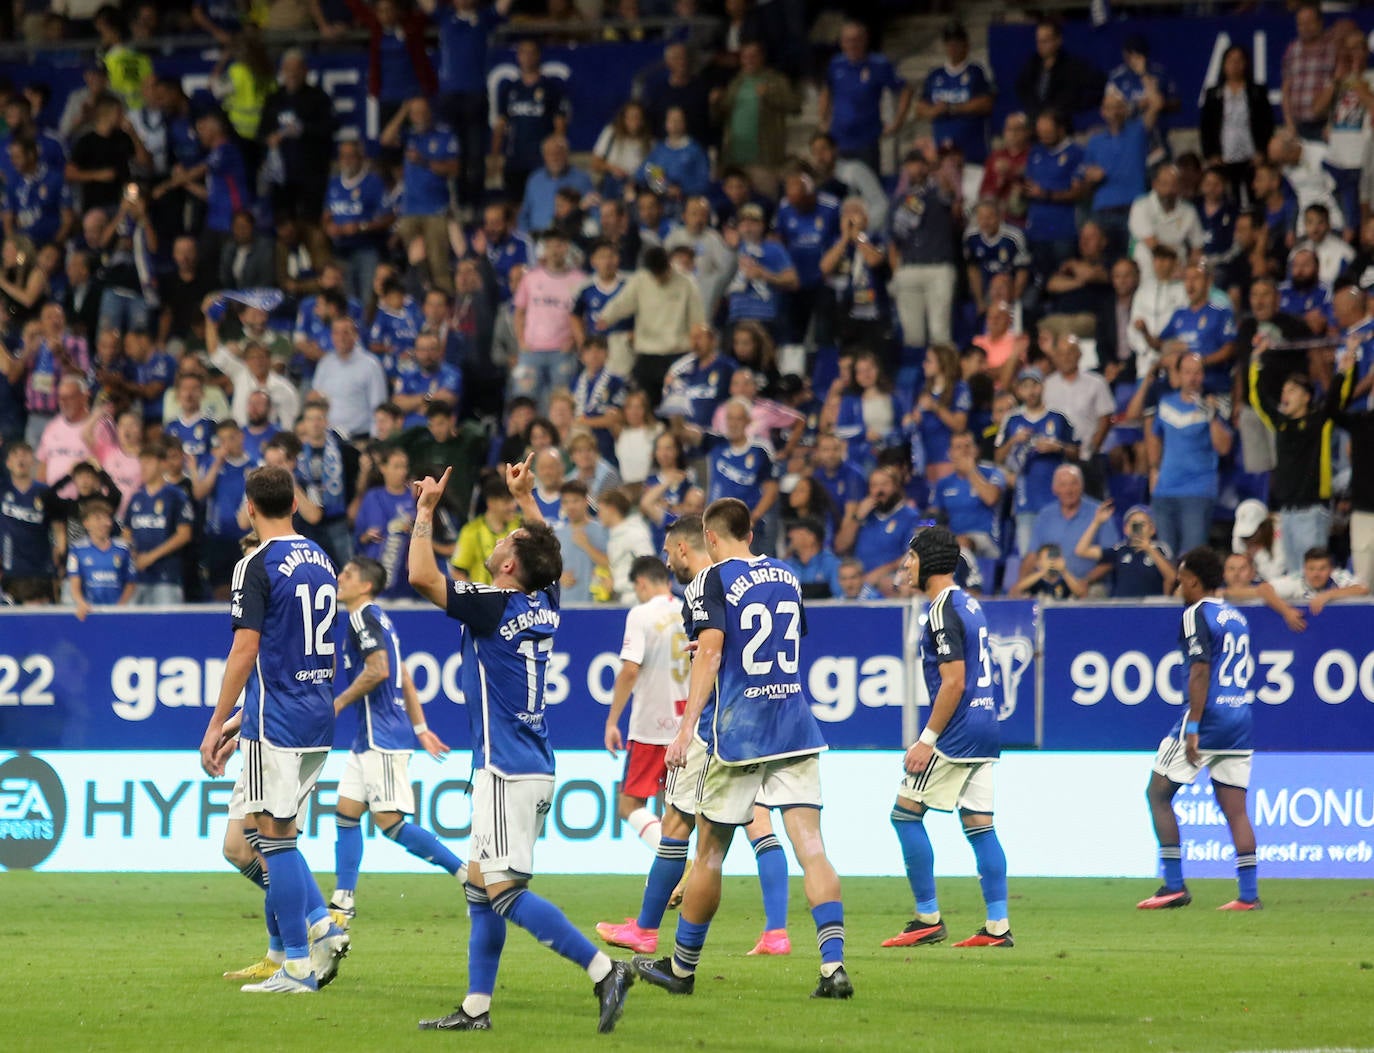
x=247, y=81
x=127, y=68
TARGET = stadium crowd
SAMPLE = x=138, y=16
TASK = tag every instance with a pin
x=1084, y=352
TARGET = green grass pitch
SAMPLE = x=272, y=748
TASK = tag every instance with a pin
x=133, y=962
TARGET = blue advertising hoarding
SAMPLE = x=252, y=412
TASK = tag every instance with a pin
x=135, y=680
x=1113, y=679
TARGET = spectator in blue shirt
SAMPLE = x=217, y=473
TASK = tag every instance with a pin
x=1203, y=328
x=852, y=96
x=542, y=186
x=764, y=273
x=1063, y=521
x=816, y=567
x=100, y=570
x=431, y=160
x=356, y=218
x=852, y=583
x=1114, y=163
x=807, y=223
x=677, y=167
x=993, y=247
x=1033, y=442
x=529, y=109
x=38, y=202
x=465, y=28
x=1054, y=183
x=1137, y=78
x=1185, y=442
x=423, y=377
x=971, y=497
x=742, y=468
x=877, y=532
x=957, y=99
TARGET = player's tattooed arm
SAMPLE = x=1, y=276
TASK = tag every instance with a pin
x=425, y=529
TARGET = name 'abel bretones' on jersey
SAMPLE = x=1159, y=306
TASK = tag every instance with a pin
x=506, y=652
x=286, y=590
x=383, y=724
x=1215, y=632
x=758, y=710
x=957, y=630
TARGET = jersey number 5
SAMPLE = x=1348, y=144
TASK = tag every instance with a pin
x=317, y=638
x=759, y=619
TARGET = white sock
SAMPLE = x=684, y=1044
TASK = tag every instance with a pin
x=599, y=968
x=829, y=968
x=928, y=919
x=276, y=956
x=342, y=898
x=298, y=968
x=679, y=971
x=1000, y=927
x=320, y=927
x=462, y=876
x=477, y=1004
x=646, y=826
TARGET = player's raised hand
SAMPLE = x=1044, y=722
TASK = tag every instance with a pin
x=520, y=477
x=433, y=745
x=428, y=492
x=614, y=743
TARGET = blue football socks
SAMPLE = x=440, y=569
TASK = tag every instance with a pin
x=422, y=844
x=348, y=852
x=992, y=868
x=772, y=863
x=670, y=861
x=919, y=858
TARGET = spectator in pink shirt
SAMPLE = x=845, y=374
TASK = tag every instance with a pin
x=776, y=426
x=116, y=445
x=543, y=322
x=64, y=439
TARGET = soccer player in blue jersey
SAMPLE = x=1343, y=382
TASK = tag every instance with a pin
x=950, y=765
x=282, y=662
x=746, y=703
x=1214, y=733
x=687, y=557
x=390, y=723
x=507, y=638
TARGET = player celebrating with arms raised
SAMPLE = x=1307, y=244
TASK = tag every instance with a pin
x=282, y=662
x=390, y=721
x=747, y=705
x=950, y=765
x=1214, y=734
x=508, y=634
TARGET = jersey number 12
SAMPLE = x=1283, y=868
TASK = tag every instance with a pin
x=317, y=638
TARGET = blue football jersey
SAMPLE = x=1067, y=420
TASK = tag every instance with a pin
x=222, y=503
x=383, y=724
x=593, y=297
x=153, y=519
x=104, y=572
x=25, y=516
x=956, y=630
x=507, y=642
x=808, y=235
x=739, y=473
x=759, y=710
x=1034, y=470
x=1004, y=253
x=698, y=389
x=286, y=590
x=195, y=435
x=1214, y=633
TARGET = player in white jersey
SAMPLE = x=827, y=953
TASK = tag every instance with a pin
x=654, y=669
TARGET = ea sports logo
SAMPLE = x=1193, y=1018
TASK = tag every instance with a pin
x=33, y=811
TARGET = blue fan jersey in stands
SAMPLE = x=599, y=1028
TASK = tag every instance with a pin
x=286, y=590
x=382, y=720
x=1215, y=633
x=104, y=572
x=956, y=630
x=759, y=709
x=506, y=644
